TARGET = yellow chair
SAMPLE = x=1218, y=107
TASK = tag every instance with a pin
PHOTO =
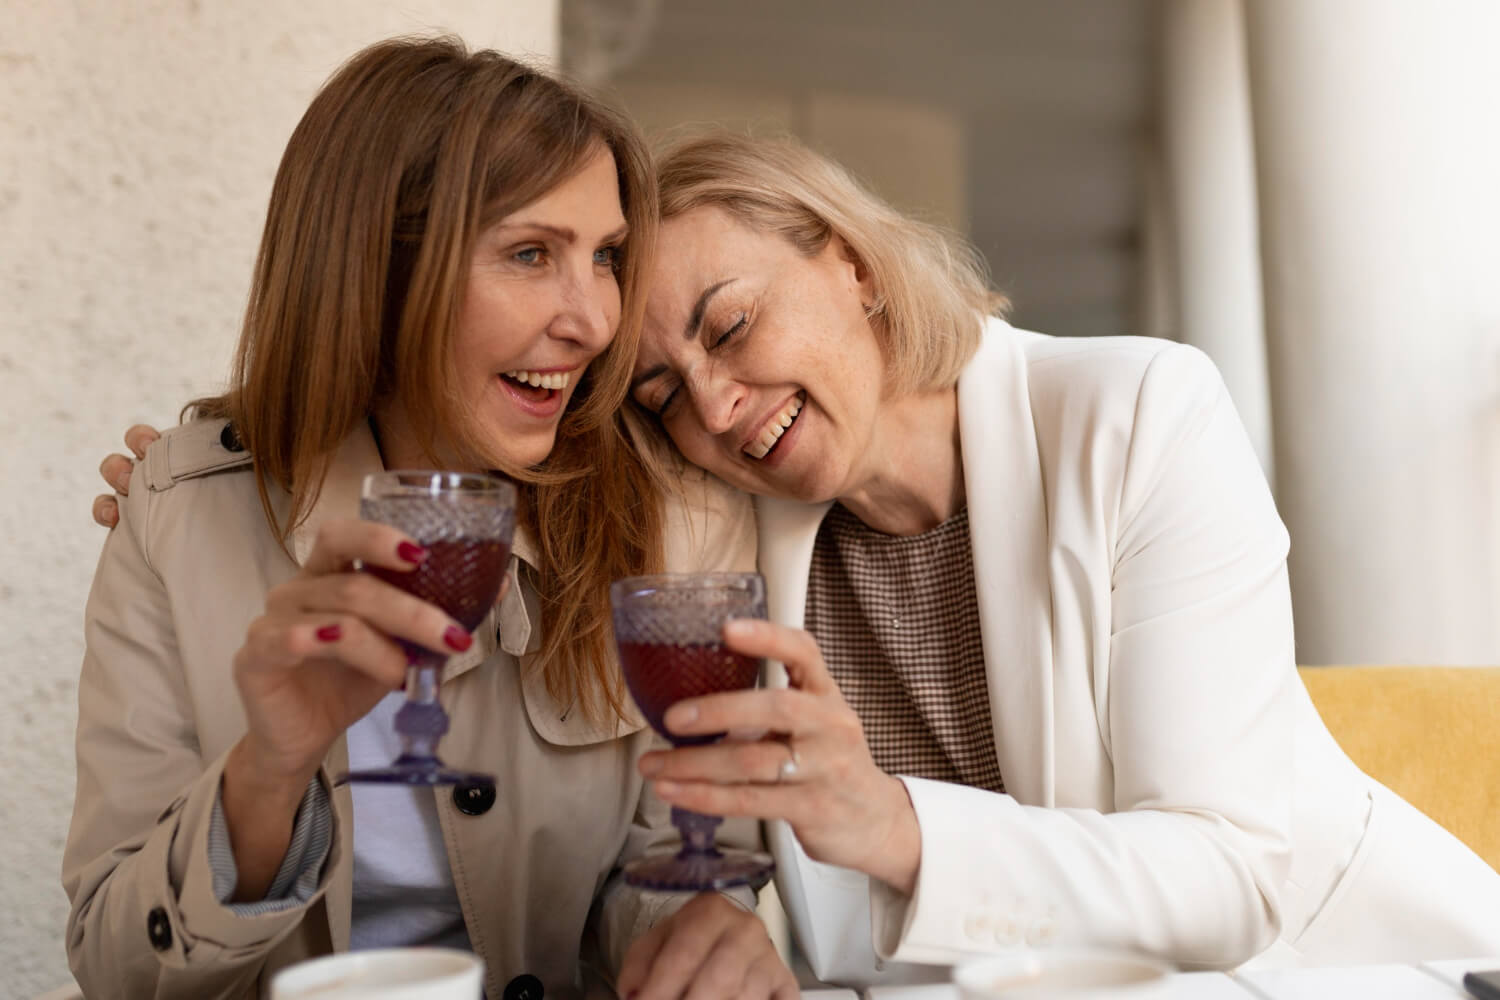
x=1430, y=734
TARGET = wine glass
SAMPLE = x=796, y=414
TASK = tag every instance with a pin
x=465, y=522
x=669, y=631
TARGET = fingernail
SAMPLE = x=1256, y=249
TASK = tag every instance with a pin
x=330, y=633
x=457, y=639
x=650, y=766
x=411, y=552
x=681, y=715
x=666, y=789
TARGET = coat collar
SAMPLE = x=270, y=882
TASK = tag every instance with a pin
x=1008, y=531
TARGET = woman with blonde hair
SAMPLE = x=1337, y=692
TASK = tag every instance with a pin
x=1031, y=598
x=449, y=276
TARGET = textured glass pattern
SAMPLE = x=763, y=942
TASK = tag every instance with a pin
x=669, y=631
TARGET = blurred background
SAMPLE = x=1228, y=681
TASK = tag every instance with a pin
x=1303, y=188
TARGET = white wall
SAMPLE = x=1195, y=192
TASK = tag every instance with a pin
x=137, y=146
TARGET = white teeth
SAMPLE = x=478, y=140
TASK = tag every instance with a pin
x=774, y=428
x=549, y=380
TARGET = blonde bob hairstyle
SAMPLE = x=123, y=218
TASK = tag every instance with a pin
x=931, y=288
x=404, y=157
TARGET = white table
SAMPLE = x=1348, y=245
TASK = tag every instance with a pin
x=1427, y=981
x=1184, y=986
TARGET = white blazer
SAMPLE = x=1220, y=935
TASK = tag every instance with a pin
x=1170, y=788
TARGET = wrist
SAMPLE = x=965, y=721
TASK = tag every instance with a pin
x=250, y=775
x=900, y=854
x=260, y=810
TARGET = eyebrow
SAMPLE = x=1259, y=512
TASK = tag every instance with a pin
x=563, y=232
x=689, y=331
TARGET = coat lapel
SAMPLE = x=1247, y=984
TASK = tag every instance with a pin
x=1008, y=531
x=786, y=531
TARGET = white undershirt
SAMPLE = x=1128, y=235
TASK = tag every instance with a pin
x=403, y=887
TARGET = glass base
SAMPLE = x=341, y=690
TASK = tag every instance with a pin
x=700, y=871
x=411, y=770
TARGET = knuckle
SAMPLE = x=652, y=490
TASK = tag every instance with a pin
x=350, y=589
x=749, y=758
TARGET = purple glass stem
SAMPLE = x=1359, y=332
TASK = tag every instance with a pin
x=421, y=722
x=697, y=833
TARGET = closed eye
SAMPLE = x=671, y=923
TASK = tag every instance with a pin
x=727, y=334
x=667, y=400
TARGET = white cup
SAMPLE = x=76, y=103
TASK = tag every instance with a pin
x=383, y=974
x=1064, y=974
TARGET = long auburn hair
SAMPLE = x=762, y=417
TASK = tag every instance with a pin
x=407, y=153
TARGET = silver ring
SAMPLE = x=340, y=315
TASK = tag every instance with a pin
x=788, y=769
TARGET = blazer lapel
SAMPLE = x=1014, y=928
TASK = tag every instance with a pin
x=787, y=531
x=1008, y=531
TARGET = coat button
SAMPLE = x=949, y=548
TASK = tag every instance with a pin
x=525, y=986
x=230, y=440
x=475, y=800
x=159, y=929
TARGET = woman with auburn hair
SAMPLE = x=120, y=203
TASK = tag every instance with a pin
x=449, y=276
x=1031, y=598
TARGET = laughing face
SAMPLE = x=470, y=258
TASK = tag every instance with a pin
x=542, y=301
x=760, y=360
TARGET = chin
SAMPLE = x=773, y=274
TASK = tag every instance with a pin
x=524, y=451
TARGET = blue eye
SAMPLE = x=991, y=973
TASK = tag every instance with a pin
x=610, y=257
x=530, y=255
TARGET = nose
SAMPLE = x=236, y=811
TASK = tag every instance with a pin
x=589, y=310
x=717, y=398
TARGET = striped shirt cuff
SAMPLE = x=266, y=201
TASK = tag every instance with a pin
x=297, y=879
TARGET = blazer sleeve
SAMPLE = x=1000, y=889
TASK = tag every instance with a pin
x=144, y=919
x=1194, y=703
x=709, y=527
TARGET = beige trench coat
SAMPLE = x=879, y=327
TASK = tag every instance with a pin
x=179, y=581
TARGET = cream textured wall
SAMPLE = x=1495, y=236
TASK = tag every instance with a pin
x=137, y=145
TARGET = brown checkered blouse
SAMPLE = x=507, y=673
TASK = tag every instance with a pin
x=898, y=623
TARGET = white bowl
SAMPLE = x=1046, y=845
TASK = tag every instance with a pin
x=383, y=974
x=1074, y=975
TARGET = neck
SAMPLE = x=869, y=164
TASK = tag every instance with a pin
x=398, y=444
x=915, y=481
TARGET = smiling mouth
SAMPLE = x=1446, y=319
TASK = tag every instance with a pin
x=770, y=435
x=537, y=386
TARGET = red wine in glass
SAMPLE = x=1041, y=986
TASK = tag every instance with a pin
x=465, y=522
x=460, y=575
x=660, y=674
x=668, y=629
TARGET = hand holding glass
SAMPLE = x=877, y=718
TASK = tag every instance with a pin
x=465, y=522
x=669, y=631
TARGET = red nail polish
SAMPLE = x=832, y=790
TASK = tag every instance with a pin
x=411, y=552
x=457, y=639
x=329, y=633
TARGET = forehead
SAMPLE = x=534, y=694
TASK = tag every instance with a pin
x=699, y=248
x=588, y=196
